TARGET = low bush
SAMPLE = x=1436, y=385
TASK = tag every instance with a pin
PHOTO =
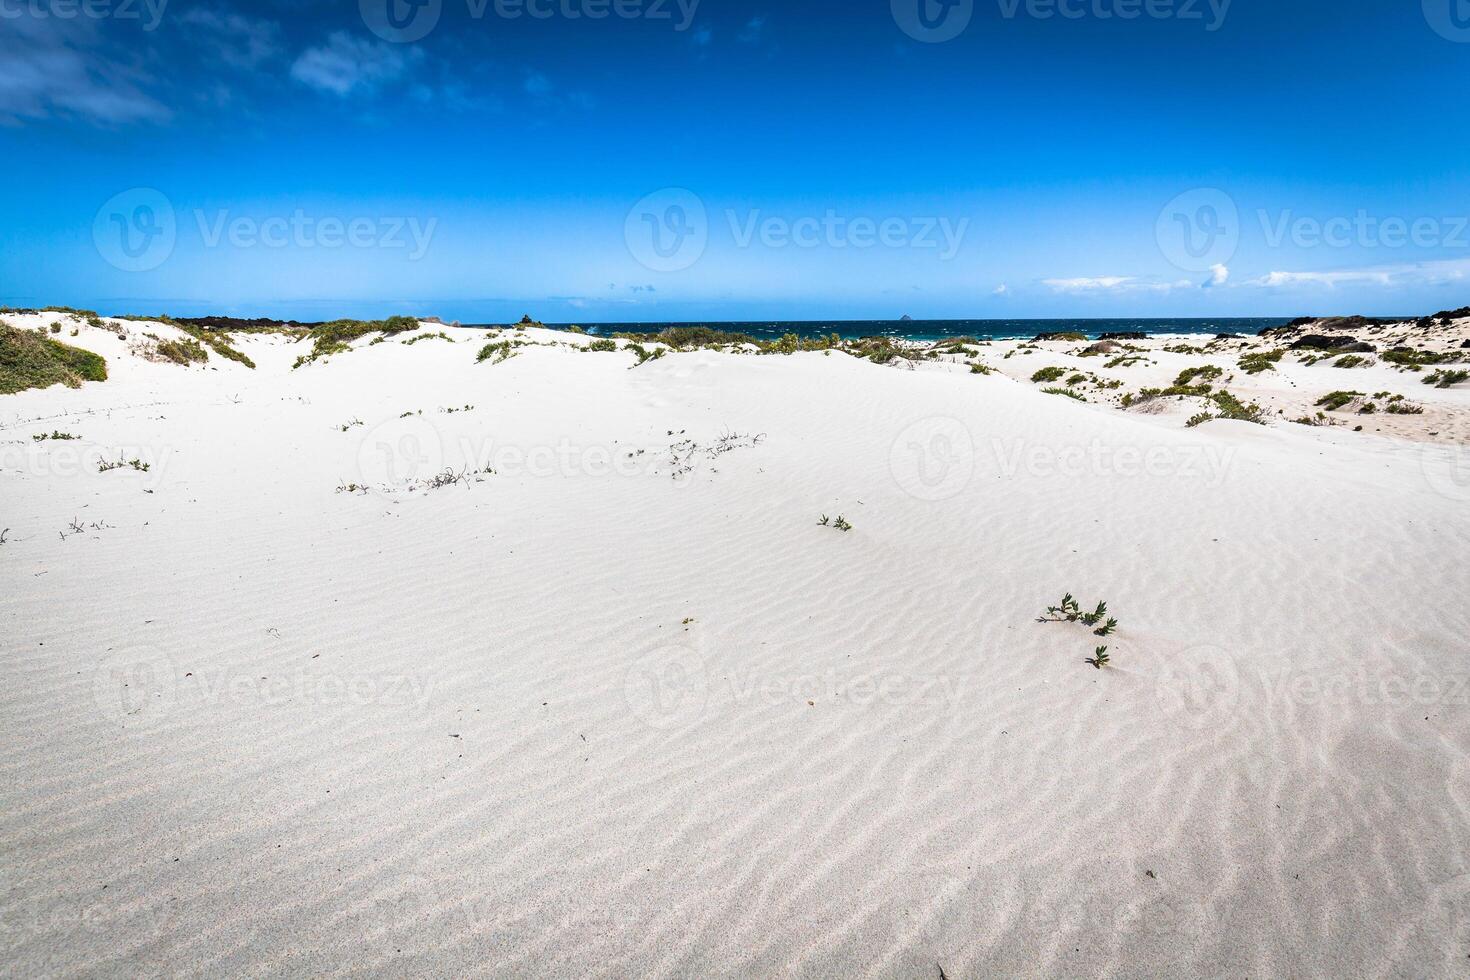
x=30, y=359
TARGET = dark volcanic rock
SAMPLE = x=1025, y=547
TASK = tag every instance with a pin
x=1061, y=335
x=1465, y=344
x=1316, y=341
x=1228, y=336
x=1124, y=336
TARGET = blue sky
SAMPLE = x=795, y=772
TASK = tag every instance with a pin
x=703, y=159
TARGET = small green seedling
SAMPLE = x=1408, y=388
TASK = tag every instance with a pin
x=1067, y=612
x=1099, y=658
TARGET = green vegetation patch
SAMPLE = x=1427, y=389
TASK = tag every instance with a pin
x=336, y=337
x=30, y=359
x=1207, y=372
x=1262, y=361
x=184, y=351
x=1334, y=400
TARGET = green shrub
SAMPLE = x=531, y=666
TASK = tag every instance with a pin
x=644, y=354
x=336, y=337
x=1334, y=400
x=1064, y=391
x=29, y=359
x=437, y=335
x=1263, y=361
x=1207, y=372
x=1233, y=408
x=602, y=345
x=1413, y=360
x=501, y=351
x=1446, y=379
x=1048, y=374
x=182, y=351
x=691, y=338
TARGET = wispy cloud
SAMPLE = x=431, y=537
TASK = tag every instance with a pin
x=1219, y=276
x=346, y=64
x=751, y=32
x=1408, y=274
x=54, y=68
x=236, y=40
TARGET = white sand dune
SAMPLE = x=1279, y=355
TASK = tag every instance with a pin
x=584, y=715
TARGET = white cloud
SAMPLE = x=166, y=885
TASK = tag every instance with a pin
x=1090, y=284
x=65, y=68
x=1000, y=290
x=1219, y=276
x=1415, y=274
x=1115, y=284
x=346, y=64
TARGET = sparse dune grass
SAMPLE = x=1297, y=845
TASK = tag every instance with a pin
x=337, y=337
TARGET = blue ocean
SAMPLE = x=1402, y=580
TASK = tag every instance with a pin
x=940, y=329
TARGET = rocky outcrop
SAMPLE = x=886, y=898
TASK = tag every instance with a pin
x=1316, y=341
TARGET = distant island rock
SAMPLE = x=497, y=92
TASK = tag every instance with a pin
x=905, y=319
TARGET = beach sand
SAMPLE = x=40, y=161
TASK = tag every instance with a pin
x=612, y=700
